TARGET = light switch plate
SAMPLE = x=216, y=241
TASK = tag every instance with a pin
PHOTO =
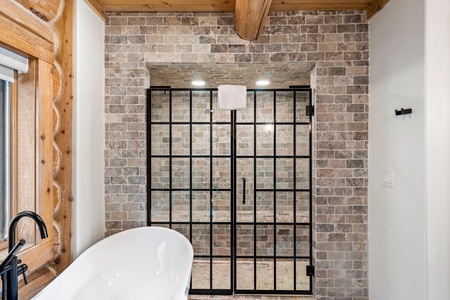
x=388, y=178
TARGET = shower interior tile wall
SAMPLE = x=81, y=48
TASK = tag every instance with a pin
x=335, y=42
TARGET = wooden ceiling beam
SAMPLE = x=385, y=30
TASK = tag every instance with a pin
x=371, y=6
x=250, y=18
x=315, y=6
x=168, y=8
x=375, y=7
x=97, y=8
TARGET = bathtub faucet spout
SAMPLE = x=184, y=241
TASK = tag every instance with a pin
x=12, y=274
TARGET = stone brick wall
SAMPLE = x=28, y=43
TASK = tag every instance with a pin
x=335, y=42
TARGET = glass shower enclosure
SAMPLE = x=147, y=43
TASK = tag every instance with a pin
x=237, y=184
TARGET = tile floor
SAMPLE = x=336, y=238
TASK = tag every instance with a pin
x=250, y=297
x=265, y=274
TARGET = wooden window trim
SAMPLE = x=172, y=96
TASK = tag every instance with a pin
x=25, y=34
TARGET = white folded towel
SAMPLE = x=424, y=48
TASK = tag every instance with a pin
x=232, y=97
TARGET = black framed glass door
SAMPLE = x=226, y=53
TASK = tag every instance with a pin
x=237, y=184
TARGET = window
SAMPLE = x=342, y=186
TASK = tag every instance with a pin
x=31, y=127
x=17, y=143
x=5, y=96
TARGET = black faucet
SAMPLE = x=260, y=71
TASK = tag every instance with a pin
x=10, y=264
x=5, y=266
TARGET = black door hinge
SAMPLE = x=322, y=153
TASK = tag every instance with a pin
x=310, y=271
x=310, y=110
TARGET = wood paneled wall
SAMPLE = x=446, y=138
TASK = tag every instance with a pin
x=55, y=29
x=63, y=100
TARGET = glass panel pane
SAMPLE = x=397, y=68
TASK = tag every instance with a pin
x=200, y=206
x=285, y=274
x=26, y=159
x=244, y=240
x=285, y=140
x=244, y=140
x=200, y=106
x=245, y=274
x=246, y=115
x=264, y=207
x=264, y=173
x=221, y=173
x=285, y=107
x=180, y=206
x=159, y=106
x=220, y=115
x=221, y=239
x=302, y=100
x=302, y=176
x=244, y=168
x=162, y=225
x=285, y=173
x=4, y=173
x=264, y=240
x=221, y=140
x=160, y=206
x=221, y=273
x=160, y=139
x=201, y=273
x=180, y=106
x=302, y=207
x=180, y=140
x=201, y=239
x=264, y=107
x=302, y=279
x=302, y=140
x=264, y=274
x=182, y=228
x=216, y=208
x=160, y=173
x=221, y=206
x=180, y=173
x=200, y=140
x=302, y=240
x=285, y=240
x=264, y=140
x=285, y=207
x=200, y=173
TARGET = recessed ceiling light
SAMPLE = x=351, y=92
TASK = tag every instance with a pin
x=198, y=83
x=263, y=82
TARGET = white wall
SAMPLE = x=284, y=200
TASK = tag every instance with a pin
x=88, y=165
x=397, y=216
x=437, y=107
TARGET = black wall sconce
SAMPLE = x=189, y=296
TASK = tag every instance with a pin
x=403, y=111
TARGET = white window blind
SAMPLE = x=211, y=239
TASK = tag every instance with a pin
x=10, y=61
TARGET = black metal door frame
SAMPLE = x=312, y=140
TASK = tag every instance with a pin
x=233, y=187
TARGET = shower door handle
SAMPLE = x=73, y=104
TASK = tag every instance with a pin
x=243, y=191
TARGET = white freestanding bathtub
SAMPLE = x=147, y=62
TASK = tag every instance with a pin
x=142, y=263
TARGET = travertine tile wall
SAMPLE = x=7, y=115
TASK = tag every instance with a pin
x=336, y=42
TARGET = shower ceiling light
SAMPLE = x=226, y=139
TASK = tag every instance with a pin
x=263, y=82
x=198, y=83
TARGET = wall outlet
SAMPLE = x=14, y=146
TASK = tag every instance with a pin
x=388, y=178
